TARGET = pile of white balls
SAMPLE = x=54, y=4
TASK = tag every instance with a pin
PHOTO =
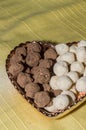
x=70, y=74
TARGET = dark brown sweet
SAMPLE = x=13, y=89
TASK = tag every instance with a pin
x=15, y=69
x=20, y=51
x=32, y=59
x=41, y=75
x=33, y=47
x=31, y=89
x=50, y=54
x=23, y=79
x=45, y=63
x=41, y=99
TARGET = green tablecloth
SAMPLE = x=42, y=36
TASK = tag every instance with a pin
x=22, y=20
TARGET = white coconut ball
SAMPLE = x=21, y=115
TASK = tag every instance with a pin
x=68, y=57
x=77, y=66
x=60, y=68
x=59, y=103
x=84, y=72
x=73, y=75
x=81, y=54
x=64, y=82
x=61, y=48
x=71, y=94
x=53, y=82
x=73, y=49
x=82, y=43
x=81, y=84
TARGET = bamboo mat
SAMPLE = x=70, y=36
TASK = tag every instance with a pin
x=22, y=20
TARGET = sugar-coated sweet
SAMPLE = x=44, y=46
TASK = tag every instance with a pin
x=60, y=68
x=68, y=57
x=61, y=48
x=73, y=75
x=77, y=66
x=81, y=54
x=64, y=82
x=53, y=82
x=59, y=103
x=81, y=84
x=70, y=93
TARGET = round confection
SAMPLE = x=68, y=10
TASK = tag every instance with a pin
x=73, y=49
x=60, y=68
x=77, y=66
x=41, y=75
x=31, y=89
x=68, y=57
x=32, y=59
x=42, y=99
x=82, y=43
x=23, y=79
x=45, y=63
x=33, y=47
x=15, y=69
x=61, y=48
x=81, y=54
x=81, y=84
x=50, y=54
x=61, y=102
x=64, y=82
x=73, y=75
x=53, y=82
x=70, y=94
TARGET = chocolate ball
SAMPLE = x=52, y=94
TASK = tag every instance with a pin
x=42, y=99
x=31, y=89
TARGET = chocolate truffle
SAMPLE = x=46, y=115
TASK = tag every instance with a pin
x=50, y=54
x=32, y=59
x=14, y=69
x=42, y=99
x=41, y=75
x=31, y=89
x=23, y=79
x=34, y=47
x=45, y=63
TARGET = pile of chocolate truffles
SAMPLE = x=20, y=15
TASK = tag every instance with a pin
x=32, y=67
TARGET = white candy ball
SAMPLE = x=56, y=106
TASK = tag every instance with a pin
x=81, y=54
x=61, y=102
x=61, y=48
x=82, y=43
x=68, y=57
x=53, y=82
x=74, y=76
x=81, y=84
x=73, y=49
x=77, y=66
x=64, y=83
x=60, y=68
x=71, y=94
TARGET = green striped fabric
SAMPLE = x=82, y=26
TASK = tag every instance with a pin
x=22, y=20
